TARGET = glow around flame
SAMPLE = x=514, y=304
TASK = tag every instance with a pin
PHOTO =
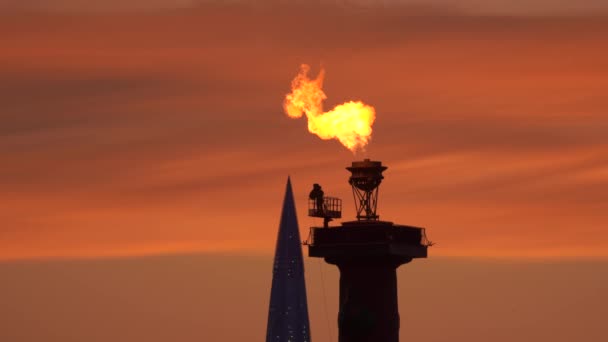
x=350, y=123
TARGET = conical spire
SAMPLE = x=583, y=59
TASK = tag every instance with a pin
x=288, y=314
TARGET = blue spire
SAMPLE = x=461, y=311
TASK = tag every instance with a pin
x=288, y=314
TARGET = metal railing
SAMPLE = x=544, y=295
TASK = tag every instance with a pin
x=330, y=207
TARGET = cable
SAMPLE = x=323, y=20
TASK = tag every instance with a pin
x=331, y=338
x=323, y=295
x=311, y=222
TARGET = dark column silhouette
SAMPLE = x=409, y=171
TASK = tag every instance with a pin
x=288, y=314
x=367, y=253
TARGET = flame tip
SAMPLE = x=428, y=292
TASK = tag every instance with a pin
x=350, y=122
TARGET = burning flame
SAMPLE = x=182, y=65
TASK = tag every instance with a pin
x=350, y=123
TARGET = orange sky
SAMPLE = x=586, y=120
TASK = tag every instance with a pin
x=145, y=133
x=225, y=298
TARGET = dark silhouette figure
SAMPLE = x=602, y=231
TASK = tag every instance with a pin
x=328, y=208
x=317, y=195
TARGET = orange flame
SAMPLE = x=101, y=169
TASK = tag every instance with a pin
x=350, y=123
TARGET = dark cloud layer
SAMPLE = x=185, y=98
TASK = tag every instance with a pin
x=492, y=7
